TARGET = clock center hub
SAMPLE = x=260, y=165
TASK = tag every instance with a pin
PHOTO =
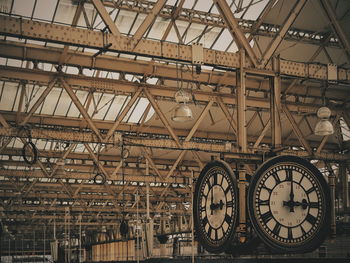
x=286, y=210
x=216, y=208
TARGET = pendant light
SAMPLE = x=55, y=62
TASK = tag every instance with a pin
x=324, y=126
x=182, y=112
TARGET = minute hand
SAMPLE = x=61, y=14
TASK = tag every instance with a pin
x=291, y=195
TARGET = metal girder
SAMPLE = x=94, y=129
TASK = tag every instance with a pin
x=216, y=20
x=111, y=63
x=275, y=109
x=262, y=135
x=330, y=12
x=76, y=17
x=241, y=106
x=260, y=19
x=95, y=188
x=75, y=209
x=190, y=134
x=126, y=87
x=50, y=197
x=81, y=108
x=76, y=136
x=93, y=39
x=161, y=143
x=105, y=173
x=123, y=113
x=162, y=117
x=106, y=17
x=147, y=22
x=133, y=174
x=39, y=101
x=280, y=35
x=235, y=30
x=174, y=16
x=297, y=131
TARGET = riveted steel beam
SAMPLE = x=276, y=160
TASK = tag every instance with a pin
x=86, y=38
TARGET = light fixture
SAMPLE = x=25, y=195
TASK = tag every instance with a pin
x=324, y=126
x=182, y=112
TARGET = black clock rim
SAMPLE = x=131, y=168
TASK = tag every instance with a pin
x=324, y=229
x=223, y=247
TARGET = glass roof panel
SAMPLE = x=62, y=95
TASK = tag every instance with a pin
x=50, y=103
x=138, y=111
x=23, y=7
x=115, y=108
x=8, y=91
x=45, y=9
x=104, y=101
x=65, y=12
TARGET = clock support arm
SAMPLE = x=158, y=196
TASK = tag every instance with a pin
x=242, y=204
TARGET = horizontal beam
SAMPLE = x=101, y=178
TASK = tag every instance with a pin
x=156, y=143
x=215, y=20
x=102, y=210
x=66, y=35
x=153, y=69
x=112, y=86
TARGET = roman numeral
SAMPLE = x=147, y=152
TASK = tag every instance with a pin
x=314, y=205
x=227, y=219
x=289, y=175
x=203, y=208
x=263, y=202
x=216, y=234
x=266, y=188
x=311, y=219
x=209, y=183
x=277, y=179
x=227, y=190
x=209, y=231
x=229, y=203
x=302, y=230
x=205, y=221
x=276, y=229
x=266, y=217
x=310, y=190
x=290, y=234
x=215, y=179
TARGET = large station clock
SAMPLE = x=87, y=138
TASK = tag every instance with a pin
x=215, y=206
x=289, y=204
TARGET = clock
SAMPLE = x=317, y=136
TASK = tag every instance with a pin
x=289, y=205
x=215, y=206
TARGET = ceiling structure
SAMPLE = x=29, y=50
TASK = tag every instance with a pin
x=92, y=83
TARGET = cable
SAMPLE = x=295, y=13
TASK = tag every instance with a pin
x=33, y=149
x=102, y=180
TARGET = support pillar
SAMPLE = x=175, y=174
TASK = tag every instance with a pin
x=344, y=177
x=149, y=220
x=241, y=105
x=242, y=144
x=275, y=106
x=331, y=182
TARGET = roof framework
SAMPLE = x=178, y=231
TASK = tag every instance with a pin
x=86, y=81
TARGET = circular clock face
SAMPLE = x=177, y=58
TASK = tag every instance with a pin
x=288, y=203
x=215, y=206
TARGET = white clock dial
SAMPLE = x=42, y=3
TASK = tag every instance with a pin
x=215, y=206
x=289, y=204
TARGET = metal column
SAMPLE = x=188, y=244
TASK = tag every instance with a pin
x=275, y=106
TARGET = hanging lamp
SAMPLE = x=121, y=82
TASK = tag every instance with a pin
x=182, y=112
x=324, y=126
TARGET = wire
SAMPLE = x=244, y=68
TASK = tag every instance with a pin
x=33, y=149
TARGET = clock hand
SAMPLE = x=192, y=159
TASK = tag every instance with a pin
x=291, y=195
x=304, y=204
x=212, y=205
